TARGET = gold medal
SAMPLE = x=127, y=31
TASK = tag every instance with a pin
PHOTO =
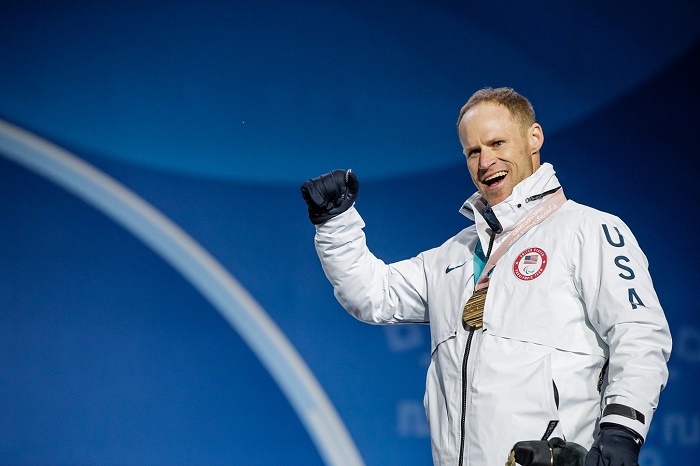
x=473, y=314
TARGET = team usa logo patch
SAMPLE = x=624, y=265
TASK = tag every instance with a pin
x=530, y=264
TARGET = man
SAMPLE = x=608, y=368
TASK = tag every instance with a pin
x=563, y=337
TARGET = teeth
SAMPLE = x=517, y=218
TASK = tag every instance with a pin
x=495, y=175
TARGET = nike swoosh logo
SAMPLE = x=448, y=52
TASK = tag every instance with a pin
x=450, y=269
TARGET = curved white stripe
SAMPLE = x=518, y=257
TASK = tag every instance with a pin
x=208, y=276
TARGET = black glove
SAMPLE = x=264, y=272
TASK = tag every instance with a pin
x=555, y=452
x=615, y=446
x=330, y=194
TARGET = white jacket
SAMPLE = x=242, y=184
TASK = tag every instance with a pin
x=533, y=370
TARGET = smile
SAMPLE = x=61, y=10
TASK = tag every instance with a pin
x=495, y=178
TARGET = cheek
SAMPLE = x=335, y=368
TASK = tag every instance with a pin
x=472, y=167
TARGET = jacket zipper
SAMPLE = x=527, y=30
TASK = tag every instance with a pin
x=464, y=395
x=495, y=229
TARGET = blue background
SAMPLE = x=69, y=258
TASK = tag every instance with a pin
x=216, y=112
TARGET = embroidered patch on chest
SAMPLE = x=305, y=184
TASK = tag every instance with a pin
x=530, y=264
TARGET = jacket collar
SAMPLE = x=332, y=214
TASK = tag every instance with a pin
x=515, y=207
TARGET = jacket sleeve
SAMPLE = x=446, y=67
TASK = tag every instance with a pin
x=366, y=287
x=611, y=274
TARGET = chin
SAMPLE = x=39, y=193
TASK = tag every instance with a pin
x=493, y=200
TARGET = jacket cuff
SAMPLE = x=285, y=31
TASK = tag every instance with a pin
x=341, y=221
x=626, y=416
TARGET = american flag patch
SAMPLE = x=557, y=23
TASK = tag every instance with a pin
x=530, y=264
x=531, y=259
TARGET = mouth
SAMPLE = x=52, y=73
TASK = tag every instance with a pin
x=494, y=179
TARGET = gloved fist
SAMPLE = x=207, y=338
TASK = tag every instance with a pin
x=330, y=194
x=615, y=446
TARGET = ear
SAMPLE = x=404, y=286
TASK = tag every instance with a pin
x=536, y=139
x=536, y=136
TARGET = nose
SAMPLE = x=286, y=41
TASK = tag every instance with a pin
x=486, y=159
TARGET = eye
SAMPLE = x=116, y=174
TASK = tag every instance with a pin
x=498, y=143
x=473, y=152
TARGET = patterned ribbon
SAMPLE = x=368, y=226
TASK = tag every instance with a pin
x=473, y=312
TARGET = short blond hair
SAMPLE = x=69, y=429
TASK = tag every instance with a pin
x=519, y=107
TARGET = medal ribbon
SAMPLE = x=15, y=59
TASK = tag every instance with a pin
x=474, y=309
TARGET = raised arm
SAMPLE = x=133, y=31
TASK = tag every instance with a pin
x=365, y=286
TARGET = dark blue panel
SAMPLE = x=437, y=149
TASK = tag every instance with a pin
x=216, y=112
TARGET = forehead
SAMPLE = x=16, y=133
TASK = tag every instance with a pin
x=485, y=120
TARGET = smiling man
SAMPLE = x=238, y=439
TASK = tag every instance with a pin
x=502, y=146
x=546, y=331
